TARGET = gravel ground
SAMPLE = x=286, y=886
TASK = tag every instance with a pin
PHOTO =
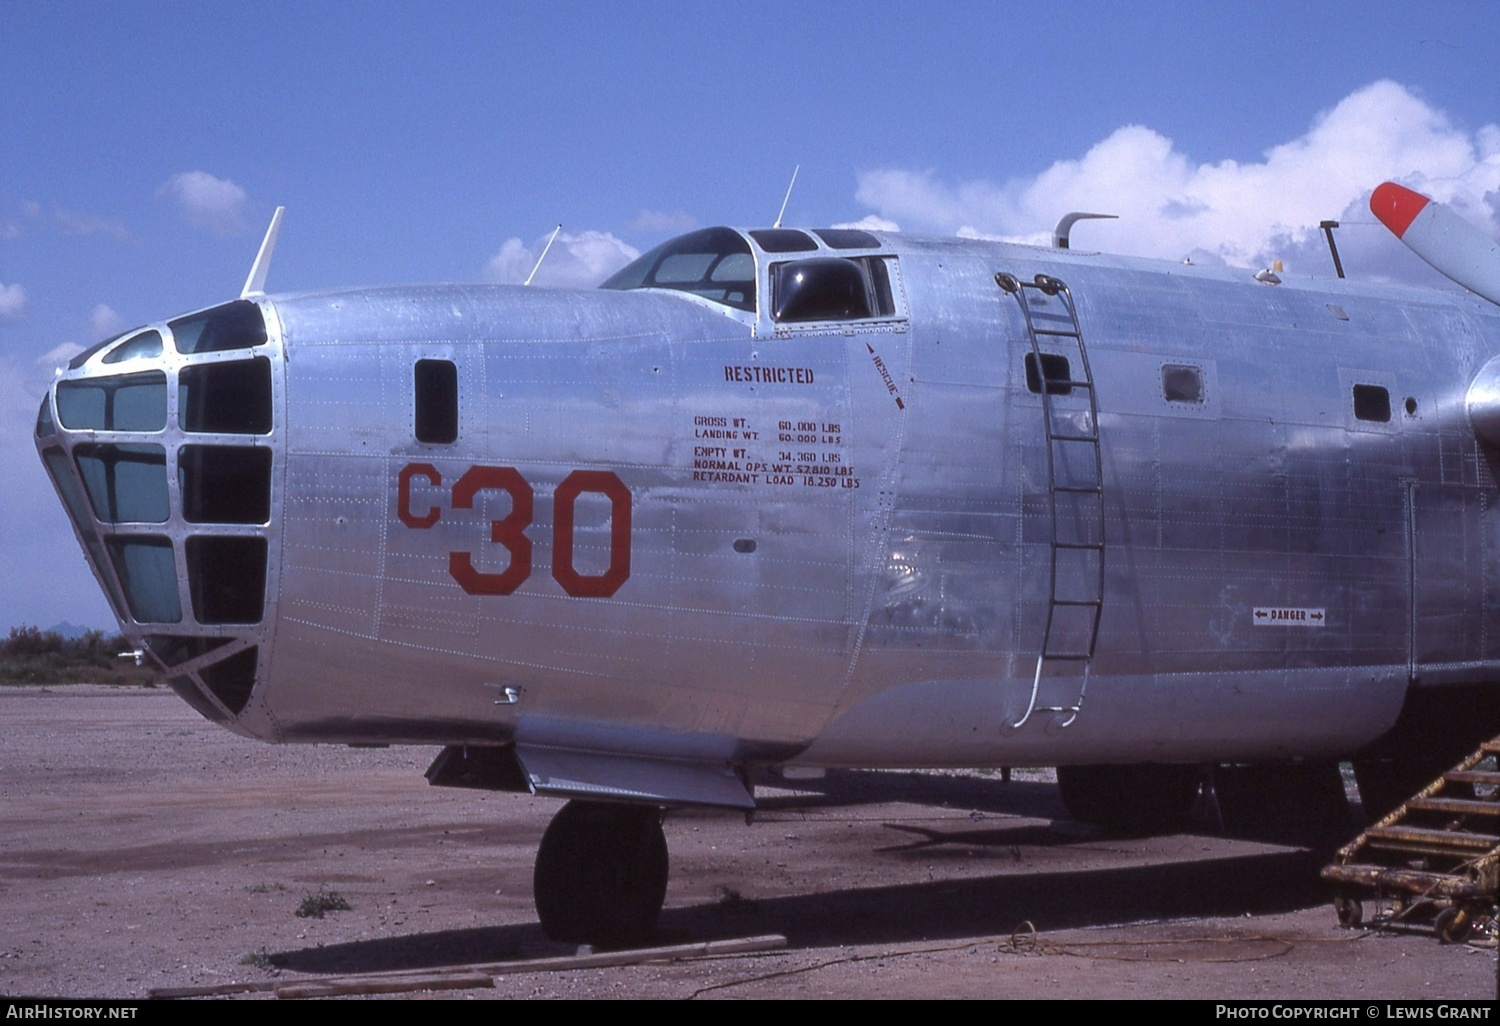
x=141, y=847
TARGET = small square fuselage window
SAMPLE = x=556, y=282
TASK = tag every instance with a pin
x=1372, y=402
x=1181, y=383
x=437, y=401
x=1054, y=369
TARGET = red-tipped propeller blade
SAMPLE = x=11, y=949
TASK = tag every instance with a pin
x=1439, y=236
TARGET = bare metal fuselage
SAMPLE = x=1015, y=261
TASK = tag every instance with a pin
x=672, y=531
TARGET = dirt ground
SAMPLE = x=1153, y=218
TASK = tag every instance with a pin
x=141, y=847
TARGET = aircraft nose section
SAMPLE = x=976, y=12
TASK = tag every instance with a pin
x=163, y=447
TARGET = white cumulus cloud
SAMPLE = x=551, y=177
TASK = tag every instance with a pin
x=206, y=201
x=59, y=355
x=576, y=260
x=1243, y=213
x=12, y=302
x=658, y=222
x=870, y=222
x=61, y=220
x=104, y=321
x=74, y=222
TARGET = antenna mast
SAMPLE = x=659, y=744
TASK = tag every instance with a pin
x=1328, y=227
x=787, y=199
x=539, y=259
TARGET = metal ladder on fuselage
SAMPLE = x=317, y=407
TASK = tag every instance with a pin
x=1075, y=489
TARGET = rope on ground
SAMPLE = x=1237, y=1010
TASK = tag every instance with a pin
x=1091, y=949
x=799, y=970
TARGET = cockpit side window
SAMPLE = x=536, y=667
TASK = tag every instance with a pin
x=831, y=289
x=847, y=238
x=714, y=263
x=784, y=240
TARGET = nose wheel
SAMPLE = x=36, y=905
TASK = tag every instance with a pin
x=601, y=873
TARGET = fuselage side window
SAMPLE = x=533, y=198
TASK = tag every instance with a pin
x=1053, y=369
x=1181, y=383
x=436, y=401
x=1372, y=402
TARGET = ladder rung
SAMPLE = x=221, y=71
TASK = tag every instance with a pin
x=1079, y=489
x=1456, y=806
x=1096, y=603
x=1072, y=438
x=1068, y=657
x=1057, y=332
x=1472, y=777
x=1438, y=841
x=1080, y=545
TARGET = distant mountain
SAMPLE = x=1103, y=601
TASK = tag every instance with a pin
x=71, y=631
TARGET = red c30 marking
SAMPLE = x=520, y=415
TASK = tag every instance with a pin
x=509, y=532
x=403, y=494
x=606, y=483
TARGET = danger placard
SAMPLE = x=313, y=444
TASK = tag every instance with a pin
x=1283, y=616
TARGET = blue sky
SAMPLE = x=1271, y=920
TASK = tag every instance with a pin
x=143, y=147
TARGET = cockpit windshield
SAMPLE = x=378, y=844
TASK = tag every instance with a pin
x=715, y=263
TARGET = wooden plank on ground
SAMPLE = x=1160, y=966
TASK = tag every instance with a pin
x=404, y=984
x=740, y=946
